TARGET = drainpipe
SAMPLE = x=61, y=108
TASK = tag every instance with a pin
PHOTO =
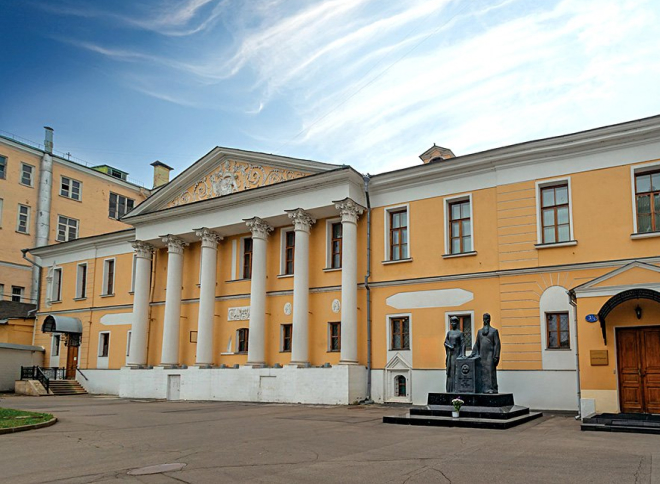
x=368, y=289
x=43, y=205
x=573, y=301
x=35, y=267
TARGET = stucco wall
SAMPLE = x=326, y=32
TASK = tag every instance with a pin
x=12, y=357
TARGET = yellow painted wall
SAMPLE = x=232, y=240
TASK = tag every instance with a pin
x=17, y=331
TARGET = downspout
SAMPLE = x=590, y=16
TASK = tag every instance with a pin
x=44, y=199
x=573, y=301
x=35, y=267
x=368, y=289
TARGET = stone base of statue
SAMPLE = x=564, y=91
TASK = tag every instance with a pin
x=481, y=410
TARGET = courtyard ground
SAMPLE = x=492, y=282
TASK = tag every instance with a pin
x=101, y=438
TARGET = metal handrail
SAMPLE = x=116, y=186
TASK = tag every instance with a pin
x=43, y=379
x=83, y=375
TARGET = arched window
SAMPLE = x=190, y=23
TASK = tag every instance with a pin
x=400, y=386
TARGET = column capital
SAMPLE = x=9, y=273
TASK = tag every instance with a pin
x=175, y=245
x=209, y=238
x=301, y=219
x=143, y=249
x=349, y=210
x=259, y=227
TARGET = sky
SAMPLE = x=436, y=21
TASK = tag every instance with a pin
x=370, y=83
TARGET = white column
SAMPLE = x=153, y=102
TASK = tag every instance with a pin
x=256, y=336
x=170, y=353
x=137, y=353
x=302, y=223
x=205, y=326
x=350, y=211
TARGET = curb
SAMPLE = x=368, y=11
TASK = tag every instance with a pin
x=29, y=427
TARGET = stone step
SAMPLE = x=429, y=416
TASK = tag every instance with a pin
x=481, y=423
x=638, y=429
x=66, y=387
x=499, y=413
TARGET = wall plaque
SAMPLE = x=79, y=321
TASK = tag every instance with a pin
x=467, y=370
x=238, y=314
x=599, y=358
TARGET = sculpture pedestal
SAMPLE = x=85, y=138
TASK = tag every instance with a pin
x=465, y=379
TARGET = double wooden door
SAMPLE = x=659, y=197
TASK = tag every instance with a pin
x=638, y=355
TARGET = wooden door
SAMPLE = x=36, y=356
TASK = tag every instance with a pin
x=71, y=362
x=638, y=354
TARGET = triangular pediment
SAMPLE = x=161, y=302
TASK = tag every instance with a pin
x=397, y=362
x=633, y=275
x=224, y=171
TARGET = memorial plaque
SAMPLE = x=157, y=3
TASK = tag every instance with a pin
x=467, y=371
x=599, y=358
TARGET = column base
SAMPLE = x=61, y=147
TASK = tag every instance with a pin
x=203, y=366
x=139, y=367
x=171, y=366
x=256, y=365
x=299, y=364
x=348, y=362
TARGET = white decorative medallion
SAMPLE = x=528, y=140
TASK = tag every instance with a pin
x=440, y=298
x=287, y=309
x=238, y=314
x=336, y=306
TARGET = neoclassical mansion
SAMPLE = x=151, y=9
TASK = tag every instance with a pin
x=256, y=277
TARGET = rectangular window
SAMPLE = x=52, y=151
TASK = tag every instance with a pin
x=193, y=336
x=1, y=202
x=555, y=216
x=67, y=228
x=287, y=330
x=55, y=350
x=109, y=277
x=336, y=246
x=558, y=332
x=3, y=167
x=2, y=292
x=17, y=293
x=465, y=325
x=647, y=196
x=81, y=281
x=119, y=206
x=400, y=333
x=289, y=251
x=398, y=234
x=247, y=258
x=56, y=293
x=23, y=219
x=334, y=336
x=242, y=340
x=71, y=188
x=460, y=227
x=27, y=171
x=104, y=345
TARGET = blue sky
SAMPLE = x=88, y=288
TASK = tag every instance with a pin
x=363, y=82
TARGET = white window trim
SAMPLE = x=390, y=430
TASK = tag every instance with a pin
x=386, y=213
x=539, y=222
x=330, y=350
x=1, y=204
x=79, y=288
x=100, y=346
x=53, y=345
x=283, y=232
x=328, y=244
x=20, y=179
x=21, y=293
x=236, y=352
x=129, y=335
x=447, y=202
x=241, y=253
x=53, y=298
x=105, y=277
x=449, y=314
x=639, y=170
x=71, y=180
x=18, y=218
x=66, y=233
x=388, y=319
x=6, y=161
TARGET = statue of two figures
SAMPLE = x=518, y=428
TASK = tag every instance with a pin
x=486, y=349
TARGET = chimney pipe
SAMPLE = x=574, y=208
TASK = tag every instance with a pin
x=48, y=140
x=161, y=173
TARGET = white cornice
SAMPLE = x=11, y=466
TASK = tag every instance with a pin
x=335, y=177
x=594, y=141
x=215, y=157
x=79, y=245
x=590, y=286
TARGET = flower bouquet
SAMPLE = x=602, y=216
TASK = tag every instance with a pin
x=457, y=403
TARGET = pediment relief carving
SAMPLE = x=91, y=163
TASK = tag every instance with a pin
x=233, y=176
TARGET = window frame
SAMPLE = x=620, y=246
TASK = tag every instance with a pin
x=4, y=162
x=22, y=172
x=56, y=285
x=284, y=338
x=55, y=348
x=243, y=254
x=390, y=322
x=329, y=239
x=81, y=285
x=242, y=341
x=118, y=215
x=547, y=330
x=448, y=202
x=28, y=217
x=1, y=209
x=388, y=234
x=636, y=171
x=67, y=225
x=101, y=347
x=332, y=337
x=106, y=282
x=70, y=190
x=462, y=314
x=20, y=295
x=539, y=213
x=283, y=251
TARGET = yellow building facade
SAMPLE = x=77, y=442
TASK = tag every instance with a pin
x=264, y=278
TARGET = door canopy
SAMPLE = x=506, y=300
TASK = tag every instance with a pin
x=61, y=324
x=622, y=297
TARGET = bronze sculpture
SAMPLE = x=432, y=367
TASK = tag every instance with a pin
x=454, y=348
x=487, y=346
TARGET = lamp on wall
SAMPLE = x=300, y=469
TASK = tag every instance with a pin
x=638, y=312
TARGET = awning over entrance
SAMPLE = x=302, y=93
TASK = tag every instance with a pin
x=620, y=298
x=61, y=324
